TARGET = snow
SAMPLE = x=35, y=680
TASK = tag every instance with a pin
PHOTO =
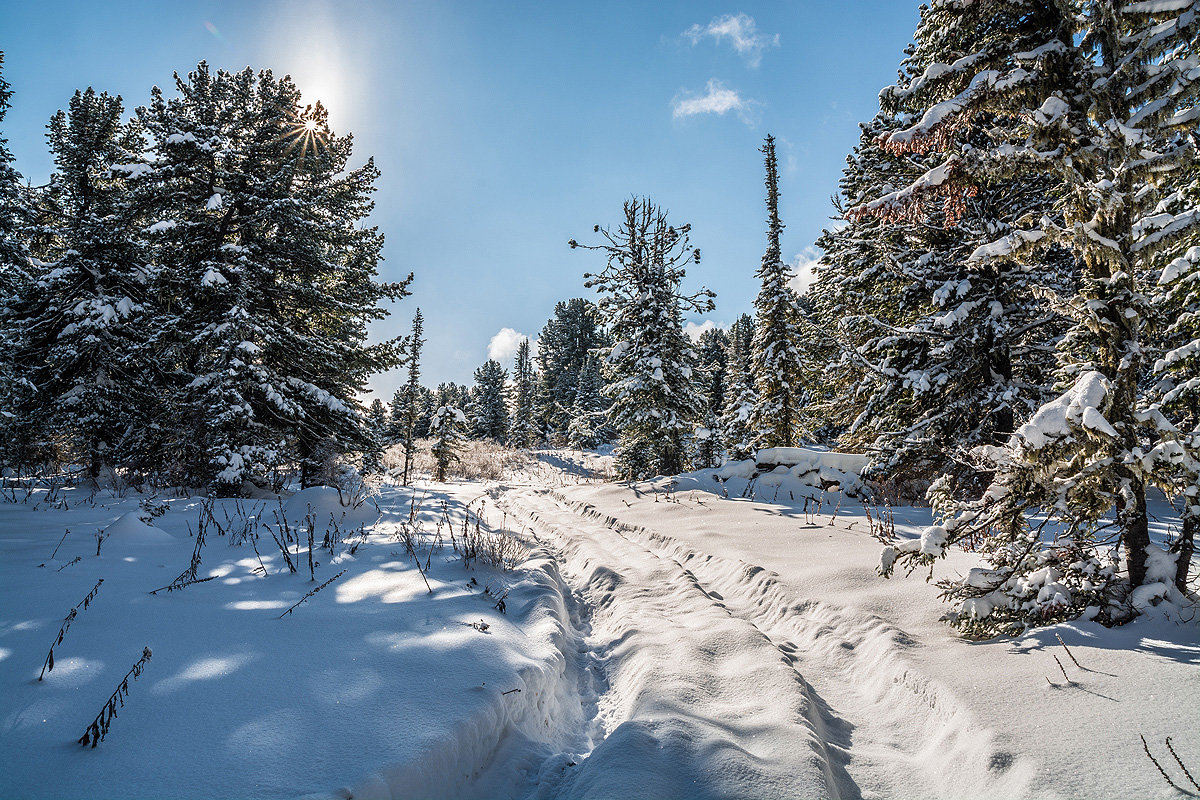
x=159, y=227
x=1004, y=247
x=1180, y=266
x=1079, y=406
x=212, y=278
x=133, y=171
x=897, y=199
x=667, y=638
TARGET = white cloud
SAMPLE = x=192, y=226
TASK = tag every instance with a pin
x=805, y=267
x=696, y=330
x=503, y=346
x=742, y=32
x=717, y=99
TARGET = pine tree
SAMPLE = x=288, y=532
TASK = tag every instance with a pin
x=425, y=408
x=521, y=433
x=1109, y=91
x=777, y=366
x=650, y=365
x=406, y=406
x=938, y=354
x=447, y=428
x=588, y=427
x=565, y=343
x=736, y=434
x=14, y=279
x=266, y=276
x=377, y=425
x=1176, y=392
x=14, y=255
x=489, y=407
x=82, y=324
x=713, y=353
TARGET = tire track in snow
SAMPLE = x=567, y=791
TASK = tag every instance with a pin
x=701, y=702
x=901, y=733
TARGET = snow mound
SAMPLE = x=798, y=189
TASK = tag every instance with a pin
x=327, y=505
x=130, y=529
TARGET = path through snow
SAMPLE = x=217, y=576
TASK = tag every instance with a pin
x=722, y=683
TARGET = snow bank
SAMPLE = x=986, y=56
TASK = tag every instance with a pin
x=783, y=472
x=379, y=682
x=328, y=506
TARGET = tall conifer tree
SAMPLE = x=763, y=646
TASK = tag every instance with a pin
x=651, y=363
x=1109, y=90
x=82, y=325
x=777, y=367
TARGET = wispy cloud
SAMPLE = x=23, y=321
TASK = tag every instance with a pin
x=717, y=99
x=805, y=267
x=741, y=31
x=503, y=346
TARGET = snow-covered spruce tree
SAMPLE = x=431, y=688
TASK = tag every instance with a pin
x=452, y=394
x=563, y=348
x=938, y=355
x=448, y=432
x=713, y=356
x=712, y=350
x=14, y=278
x=489, y=406
x=1108, y=102
x=406, y=404
x=82, y=323
x=776, y=364
x=1175, y=394
x=377, y=423
x=425, y=408
x=521, y=432
x=650, y=364
x=736, y=434
x=588, y=427
x=14, y=253
x=266, y=277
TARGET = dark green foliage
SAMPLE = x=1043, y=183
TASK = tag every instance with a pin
x=1108, y=89
x=448, y=432
x=736, y=433
x=267, y=273
x=522, y=432
x=565, y=343
x=489, y=407
x=82, y=324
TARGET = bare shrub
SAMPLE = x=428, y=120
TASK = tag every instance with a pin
x=479, y=460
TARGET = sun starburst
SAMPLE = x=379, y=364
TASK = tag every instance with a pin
x=306, y=131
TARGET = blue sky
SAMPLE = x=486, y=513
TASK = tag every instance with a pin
x=503, y=129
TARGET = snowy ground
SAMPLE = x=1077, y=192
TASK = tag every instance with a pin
x=667, y=641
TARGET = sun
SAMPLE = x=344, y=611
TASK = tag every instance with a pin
x=306, y=131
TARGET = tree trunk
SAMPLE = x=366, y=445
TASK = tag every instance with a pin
x=1185, y=546
x=1135, y=533
x=1000, y=367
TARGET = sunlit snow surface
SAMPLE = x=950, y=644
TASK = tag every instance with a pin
x=680, y=637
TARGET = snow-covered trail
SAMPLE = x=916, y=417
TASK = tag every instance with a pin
x=723, y=682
